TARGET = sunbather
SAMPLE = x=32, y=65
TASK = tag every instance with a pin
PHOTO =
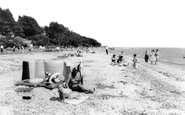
x=75, y=80
x=50, y=81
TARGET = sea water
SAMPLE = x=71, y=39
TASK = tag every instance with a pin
x=171, y=55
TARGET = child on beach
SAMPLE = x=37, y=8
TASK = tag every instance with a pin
x=135, y=65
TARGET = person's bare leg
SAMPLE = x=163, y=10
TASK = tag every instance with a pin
x=81, y=88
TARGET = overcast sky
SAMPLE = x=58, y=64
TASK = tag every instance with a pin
x=123, y=23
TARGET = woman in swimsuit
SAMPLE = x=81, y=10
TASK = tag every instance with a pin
x=75, y=80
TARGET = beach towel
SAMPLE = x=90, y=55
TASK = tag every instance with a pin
x=77, y=99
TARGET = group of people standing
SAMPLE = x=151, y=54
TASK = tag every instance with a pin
x=153, y=56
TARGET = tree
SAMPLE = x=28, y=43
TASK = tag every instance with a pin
x=39, y=40
x=55, y=32
x=6, y=21
x=18, y=31
x=29, y=26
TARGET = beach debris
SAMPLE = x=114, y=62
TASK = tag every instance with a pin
x=176, y=92
x=103, y=86
x=169, y=105
x=124, y=82
x=26, y=97
x=23, y=89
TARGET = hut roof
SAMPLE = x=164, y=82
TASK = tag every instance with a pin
x=25, y=41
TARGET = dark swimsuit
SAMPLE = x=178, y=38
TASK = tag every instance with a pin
x=75, y=80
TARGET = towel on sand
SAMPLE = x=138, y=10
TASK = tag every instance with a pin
x=76, y=100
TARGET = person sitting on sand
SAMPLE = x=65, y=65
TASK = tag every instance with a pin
x=121, y=61
x=135, y=65
x=113, y=59
x=75, y=80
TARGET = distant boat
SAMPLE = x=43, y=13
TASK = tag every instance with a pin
x=184, y=56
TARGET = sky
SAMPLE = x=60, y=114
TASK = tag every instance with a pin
x=115, y=23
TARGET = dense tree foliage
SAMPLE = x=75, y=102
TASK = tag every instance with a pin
x=29, y=26
x=54, y=34
x=6, y=21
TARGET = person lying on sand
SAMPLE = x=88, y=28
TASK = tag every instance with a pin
x=50, y=81
x=75, y=80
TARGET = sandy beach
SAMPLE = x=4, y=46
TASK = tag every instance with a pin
x=148, y=90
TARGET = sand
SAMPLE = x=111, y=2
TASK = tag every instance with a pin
x=148, y=90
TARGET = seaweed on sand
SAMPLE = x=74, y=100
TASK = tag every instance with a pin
x=103, y=86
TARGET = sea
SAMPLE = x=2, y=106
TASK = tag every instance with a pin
x=170, y=55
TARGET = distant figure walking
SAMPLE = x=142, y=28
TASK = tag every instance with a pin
x=30, y=48
x=156, y=56
x=22, y=47
x=2, y=48
x=152, y=57
x=135, y=65
x=107, y=52
x=146, y=56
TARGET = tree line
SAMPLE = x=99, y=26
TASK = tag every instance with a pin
x=28, y=28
